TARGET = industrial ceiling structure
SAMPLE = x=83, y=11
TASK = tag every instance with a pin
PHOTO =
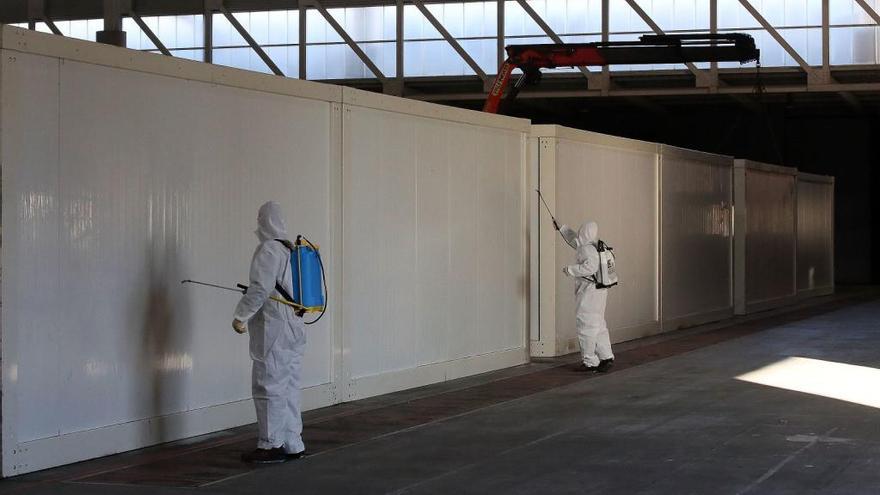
x=800, y=40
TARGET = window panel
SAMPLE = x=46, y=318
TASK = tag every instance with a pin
x=226, y=35
x=278, y=24
x=864, y=43
x=841, y=12
x=576, y=17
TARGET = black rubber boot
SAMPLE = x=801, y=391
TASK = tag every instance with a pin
x=605, y=365
x=588, y=369
x=265, y=456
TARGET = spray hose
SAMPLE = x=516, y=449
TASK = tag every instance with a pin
x=241, y=288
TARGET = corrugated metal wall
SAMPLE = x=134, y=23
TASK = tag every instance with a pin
x=118, y=185
x=435, y=244
x=766, y=236
x=696, y=237
x=614, y=182
x=120, y=181
x=815, y=238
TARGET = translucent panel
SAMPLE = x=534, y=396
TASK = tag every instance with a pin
x=594, y=16
x=663, y=12
x=480, y=19
x=684, y=16
x=438, y=58
x=293, y=27
x=864, y=45
x=842, y=11
x=556, y=11
x=278, y=54
x=452, y=17
x=333, y=62
x=241, y=58
x=814, y=12
x=797, y=38
x=84, y=29
x=773, y=11
x=576, y=17
x=514, y=19
x=518, y=23
x=373, y=23
x=814, y=46
x=841, y=43
x=772, y=53
x=796, y=12
x=133, y=35
x=259, y=27
x=861, y=16
x=732, y=15
x=278, y=24
x=317, y=29
x=389, y=27
x=225, y=34
x=197, y=55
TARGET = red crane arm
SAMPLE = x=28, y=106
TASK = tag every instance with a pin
x=663, y=49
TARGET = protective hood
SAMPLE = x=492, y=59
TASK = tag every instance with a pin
x=270, y=223
x=588, y=233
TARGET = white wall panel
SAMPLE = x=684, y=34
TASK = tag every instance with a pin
x=588, y=176
x=815, y=237
x=696, y=237
x=435, y=246
x=117, y=185
x=766, y=240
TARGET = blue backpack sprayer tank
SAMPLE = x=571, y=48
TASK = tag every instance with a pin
x=309, y=281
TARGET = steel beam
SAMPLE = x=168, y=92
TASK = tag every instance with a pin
x=113, y=34
x=250, y=41
x=826, y=37
x=398, y=43
x=37, y=12
x=451, y=40
x=150, y=34
x=713, y=28
x=653, y=25
x=871, y=12
x=302, y=44
x=778, y=37
x=349, y=41
x=53, y=27
x=547, y=29
x=208, y=40
x=499, y=23
x=726, y=90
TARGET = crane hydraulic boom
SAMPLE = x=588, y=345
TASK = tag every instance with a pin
x=649, y=49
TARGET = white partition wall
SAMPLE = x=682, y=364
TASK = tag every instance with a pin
x=117, y=185
x=696, y=237
x=815, y=235
x=766, y=236
x=124, y=173
x=614, y=181
x=435, y=269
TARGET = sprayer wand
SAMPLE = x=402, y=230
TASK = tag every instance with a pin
x=241, y=288
x=555, y=225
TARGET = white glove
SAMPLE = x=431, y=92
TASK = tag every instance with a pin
x=239, y=326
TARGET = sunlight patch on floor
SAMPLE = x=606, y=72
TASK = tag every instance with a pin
x=846, y=382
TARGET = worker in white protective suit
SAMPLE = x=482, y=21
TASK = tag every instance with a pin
x=277, y=344
x=590, y=324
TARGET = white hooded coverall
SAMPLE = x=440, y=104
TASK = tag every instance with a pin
x=590, y=324
x=277, y=338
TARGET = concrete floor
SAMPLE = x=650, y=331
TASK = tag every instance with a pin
x=683, y=424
